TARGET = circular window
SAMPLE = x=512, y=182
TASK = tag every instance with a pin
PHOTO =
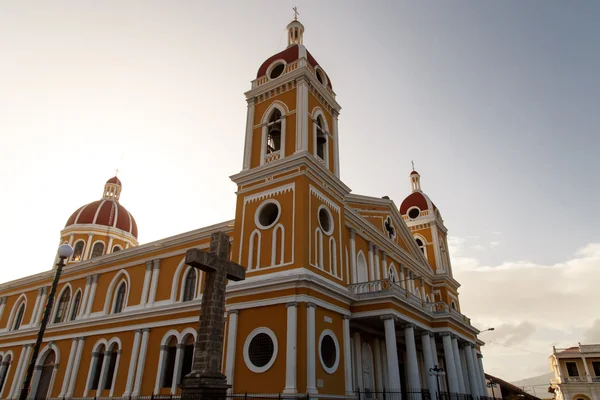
x=260, y=350
x=276, y=70
x=325, y=220
x=329, y=351
x=414, y=213
x=267, y=214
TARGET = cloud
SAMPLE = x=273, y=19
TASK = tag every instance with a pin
x=532, y=306
x=494, y=244
x=478, y=247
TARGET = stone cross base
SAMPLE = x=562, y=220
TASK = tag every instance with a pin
x=204, y=387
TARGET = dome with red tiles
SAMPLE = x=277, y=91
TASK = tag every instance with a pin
x=417, y=201
x=106, y=211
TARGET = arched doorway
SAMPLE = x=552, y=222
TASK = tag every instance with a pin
x=368, y=370
x=45, y=378
x=361, y=268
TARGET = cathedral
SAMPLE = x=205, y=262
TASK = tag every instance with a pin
x=343, y=292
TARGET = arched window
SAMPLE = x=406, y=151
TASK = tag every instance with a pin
x=361, y=268
x=75, y=307
x=392, y=274
x=321, y=137
x=116, y=248
x=169, y=363
x=19, y=317
x=4, y=370
x=78, y=251
x=120, y=298
x=274, y=132
x=188, y=357
x=97, y=360
x=453, y=305
x=189, y=288
x=63, y=306
x=98, y=249
x=112, y=364
x=421, y=245
x=45, y=378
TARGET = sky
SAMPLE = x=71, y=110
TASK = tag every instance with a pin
x=496, y=102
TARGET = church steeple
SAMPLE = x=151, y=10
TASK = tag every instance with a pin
x=295, y=30
x=415, y=181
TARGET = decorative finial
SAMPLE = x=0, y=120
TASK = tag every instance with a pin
x=116, y=171
x=296, y=13
x=413, y=165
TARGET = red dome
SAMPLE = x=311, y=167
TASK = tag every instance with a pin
x=412, y=173
x=114, y=179
x=417, y=199
x=105, y=212
x=290, y=55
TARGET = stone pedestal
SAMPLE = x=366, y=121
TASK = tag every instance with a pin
x=204, y=388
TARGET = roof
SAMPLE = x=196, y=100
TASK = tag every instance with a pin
x=418, y=199
x=105, y=212
x=507, y=386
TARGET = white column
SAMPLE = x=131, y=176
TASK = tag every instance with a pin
x=336, y=145
x=24, y=369
x=428, y=362
x=75, y=369
x=249, y=136
x=465, y=371
x=154, y=282
x=358, y=360
x=35, y=307
x=378, y=365
x=84, y=298
x=39, y=306
x=377, y=265
x=434, y=354
x=480, y=389
x=371, y=263
x=3, y=373
x=450, y=364
x=290, y=351
x=108, y=355
x=160, y=372
x=301, y=115
x=115, y=372
x=88, y=247
x=475, y=388
x=353, y=254
x=90, y=302
x=146, y=286
x=72, y=352
x=311, y=374
x=141, y=361
x=35, y=381
x=587, y=370
x=457, y=365
x=392, y=355
x=402, y=277
x=385, y=265
x=178, y=365
x=132, y=362
x=347, y=355
x=482, y=372
x=411, y=358
x=15, y=383
x=231, y=345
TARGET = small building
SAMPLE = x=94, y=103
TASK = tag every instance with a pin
x=501, y=389
x=576, y=372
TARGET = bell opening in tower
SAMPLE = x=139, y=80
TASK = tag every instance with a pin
x=321, y=139
x=274, y=132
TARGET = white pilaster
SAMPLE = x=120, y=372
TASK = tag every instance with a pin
x=154, y=281
x=377, y=265
x=160, y=372
x=3, y=373
x=109, y=247
x=371, y=263
x=231, y=345
x=482, y=373
x=385, y=265
x=457, y=365
x=392, y=355
x=141, y=361
x=465, y=371
x=353, y=254
x=290, y=351
x=88, y=247
x=378, y=365
x=428, y=362
x=178, y=367
x=84, y=298
x=414, y=383
x=358, y=359
x=311, y=373
x=108, y=355
x=24, y=369
x=403, y=277
x=35, y=307
x=15, y=384
x=72, y=352
x=132, y=362
x=75, y=369
x=301, y=115
x=249, y=131
x=475, y=388
x=90, y=302
x=146, y=286
x=450, y=364
x=347, y=355
x=336, y=145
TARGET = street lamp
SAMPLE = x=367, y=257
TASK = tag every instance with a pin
x=64, y=251
x=437, y=371
x=488, y=329
x=492, y=384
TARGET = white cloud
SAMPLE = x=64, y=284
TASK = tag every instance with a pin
x=532, y=306
x=494, y=244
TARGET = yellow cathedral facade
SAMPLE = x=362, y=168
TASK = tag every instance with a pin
x=343, y=292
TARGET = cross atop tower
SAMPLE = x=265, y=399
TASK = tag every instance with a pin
x=413, y=165
x=296, y=13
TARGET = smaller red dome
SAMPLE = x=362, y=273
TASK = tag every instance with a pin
x=414, y=172
x=115, y=180
x=417, y=199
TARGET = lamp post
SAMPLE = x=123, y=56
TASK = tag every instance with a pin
x=488, y=329
x=437, y=371
x=64, y=251
x=492, y=384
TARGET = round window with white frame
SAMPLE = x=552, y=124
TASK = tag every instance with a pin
x=329, y=351
x=260, y=350
x=267, y=214
x=276, y=69
x=325, y=220
x=414, y=212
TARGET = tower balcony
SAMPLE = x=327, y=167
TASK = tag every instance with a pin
x=386, y=287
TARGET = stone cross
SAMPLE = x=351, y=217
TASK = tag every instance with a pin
x=206, y=379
